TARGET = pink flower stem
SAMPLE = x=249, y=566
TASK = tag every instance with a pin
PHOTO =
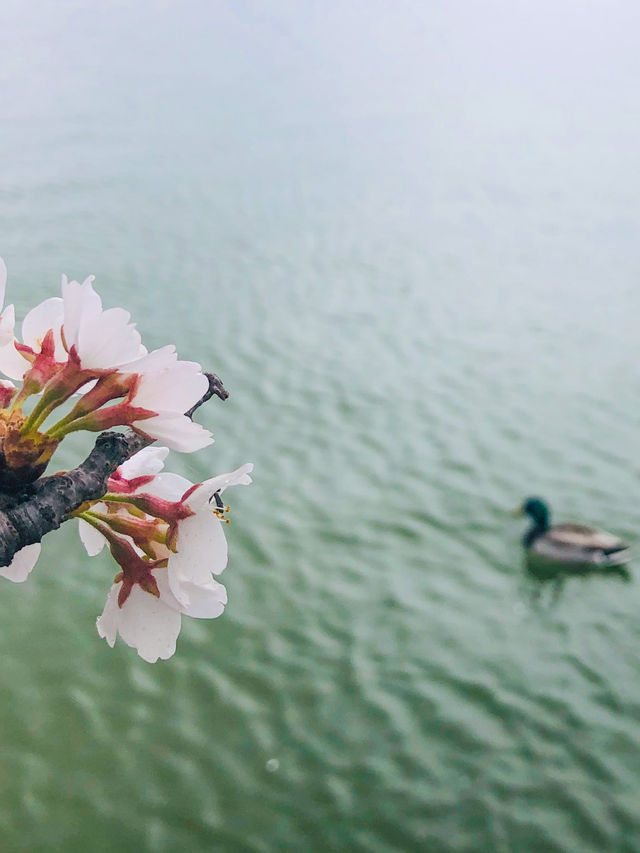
x=108, y=387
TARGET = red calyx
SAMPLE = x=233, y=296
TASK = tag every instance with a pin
x=121, y=486
x=43, y=364
x=135, y=570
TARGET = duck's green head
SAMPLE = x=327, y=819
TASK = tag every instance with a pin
x=537, y=510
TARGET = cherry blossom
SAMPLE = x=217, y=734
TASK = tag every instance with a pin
x=131, y=476
x=17, y=358
x=169, y=540
x=155, y=403
x=170, y=392
x=165, y=533
x=196, y=545
x=151, y=623
x=158, y=390
x=200, y=543
x=95, y=339
x=67, y=343
x=100, y=339
x=72, y=345
x=140, y=606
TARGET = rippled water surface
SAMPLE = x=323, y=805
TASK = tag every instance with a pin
x=405, y=235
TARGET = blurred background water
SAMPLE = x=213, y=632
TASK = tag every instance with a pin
x=406, y=236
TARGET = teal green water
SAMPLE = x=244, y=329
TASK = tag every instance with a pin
x=405, y=235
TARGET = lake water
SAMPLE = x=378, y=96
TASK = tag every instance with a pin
x=406, y=237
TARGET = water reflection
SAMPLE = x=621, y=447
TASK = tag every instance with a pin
x=544, y=570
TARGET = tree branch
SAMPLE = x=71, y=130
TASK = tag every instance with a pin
x=26, y=516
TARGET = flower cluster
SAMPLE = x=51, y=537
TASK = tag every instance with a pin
x=85, y=368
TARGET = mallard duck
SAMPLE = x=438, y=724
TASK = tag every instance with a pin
x=570, y=543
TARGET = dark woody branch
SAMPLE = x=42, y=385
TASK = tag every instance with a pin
x=27, y=515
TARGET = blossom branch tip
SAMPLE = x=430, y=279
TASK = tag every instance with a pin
x=216, y=389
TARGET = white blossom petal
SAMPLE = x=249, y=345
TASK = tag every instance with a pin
x=45, y=316
x=158, y=359
x=7, y=325
x=145, y=463
x=167, y=485
x=174, y=388
x=91, y=538
x=144, y=622
x=203, y=493
x=107, y=340
x=107, y=622
x=176, y=431
x=80, y=302
x=12, y=363
x=164, y=589
x=206, y=601
x=22, y=564
x=202, y=550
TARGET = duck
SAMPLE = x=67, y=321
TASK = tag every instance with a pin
x=570, y=543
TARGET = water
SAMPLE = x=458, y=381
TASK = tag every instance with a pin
x=405, y=235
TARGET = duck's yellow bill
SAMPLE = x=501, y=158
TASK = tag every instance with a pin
x=517, y=512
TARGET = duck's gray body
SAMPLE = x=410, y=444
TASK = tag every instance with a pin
x=580, y=545
x=571, y=544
